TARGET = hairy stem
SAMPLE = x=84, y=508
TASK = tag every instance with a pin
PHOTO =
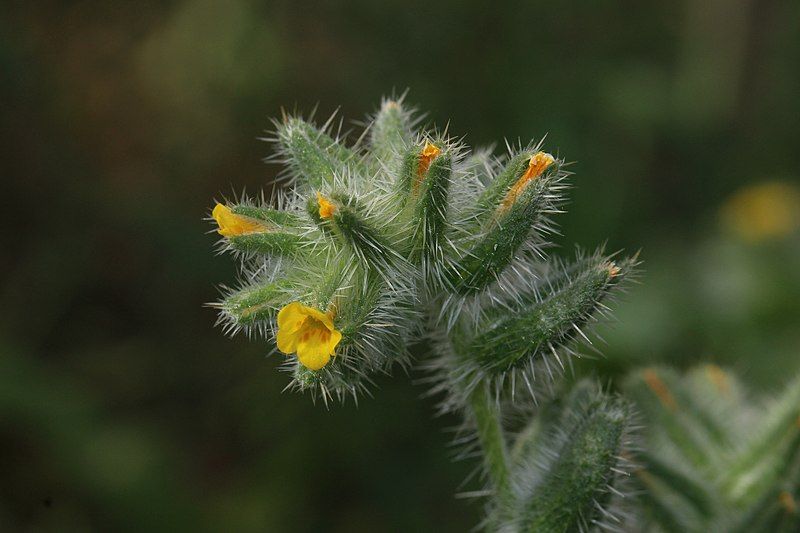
x=490, y=434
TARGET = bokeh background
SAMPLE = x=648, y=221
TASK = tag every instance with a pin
x=122, y=408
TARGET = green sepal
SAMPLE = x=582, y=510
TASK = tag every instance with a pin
x=366, y=241
x=279, y=237
x=430, y=209
x=408, y=173
x=257, y=303
x=491, y=198
x=267, y=243
x=501, y=230
x=411, y=184
x=334, y=379
x=532, y=438
x=273, y=217
x=512, y=339
x=313, y=156
x=573, y=490
x=390, y=133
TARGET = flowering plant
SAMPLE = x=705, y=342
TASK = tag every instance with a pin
x=407, y=236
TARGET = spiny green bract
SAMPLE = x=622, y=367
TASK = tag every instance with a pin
x=715, y=459
x=569, y=467
x=424, y=237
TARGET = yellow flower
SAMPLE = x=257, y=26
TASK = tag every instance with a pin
x=536, y=166
x=763, y=211
x=309, y=332
x=233, y=225
x=326, y=207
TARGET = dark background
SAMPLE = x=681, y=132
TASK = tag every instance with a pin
x=123, y=408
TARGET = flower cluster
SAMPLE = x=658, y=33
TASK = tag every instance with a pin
x=408, y=237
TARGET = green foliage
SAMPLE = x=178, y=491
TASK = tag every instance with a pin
x=715, y=458
x=569, y=470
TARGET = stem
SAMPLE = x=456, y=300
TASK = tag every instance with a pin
x=490, y=435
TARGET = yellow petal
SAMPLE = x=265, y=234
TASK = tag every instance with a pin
x=336, y=336
x=326, y=207
x=316, y=314
x=312, y=349
x=292, y=316
x=287, y=341
x=231, y=225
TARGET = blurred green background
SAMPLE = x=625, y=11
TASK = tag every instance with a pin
x=123, y=409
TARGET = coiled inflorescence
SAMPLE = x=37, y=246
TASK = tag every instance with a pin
x=409, y=236
x=404, y=234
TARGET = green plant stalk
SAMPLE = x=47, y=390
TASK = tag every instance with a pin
x=486, y=414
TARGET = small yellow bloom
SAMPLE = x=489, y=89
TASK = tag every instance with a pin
x=536, y=166
x=309, y=332
x=428, y=154
x=763, y=211
x=232, y=225
x=326, y=207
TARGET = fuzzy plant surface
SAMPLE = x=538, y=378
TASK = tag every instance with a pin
x=407, y=237
x=715, y=458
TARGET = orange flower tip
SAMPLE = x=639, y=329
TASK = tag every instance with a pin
x=613, y=270
x=788, y=502
x=233, y=225
x=660, y=389
x=392, y=104
x=326, y=207
x=431, y=150
x=538, y=164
